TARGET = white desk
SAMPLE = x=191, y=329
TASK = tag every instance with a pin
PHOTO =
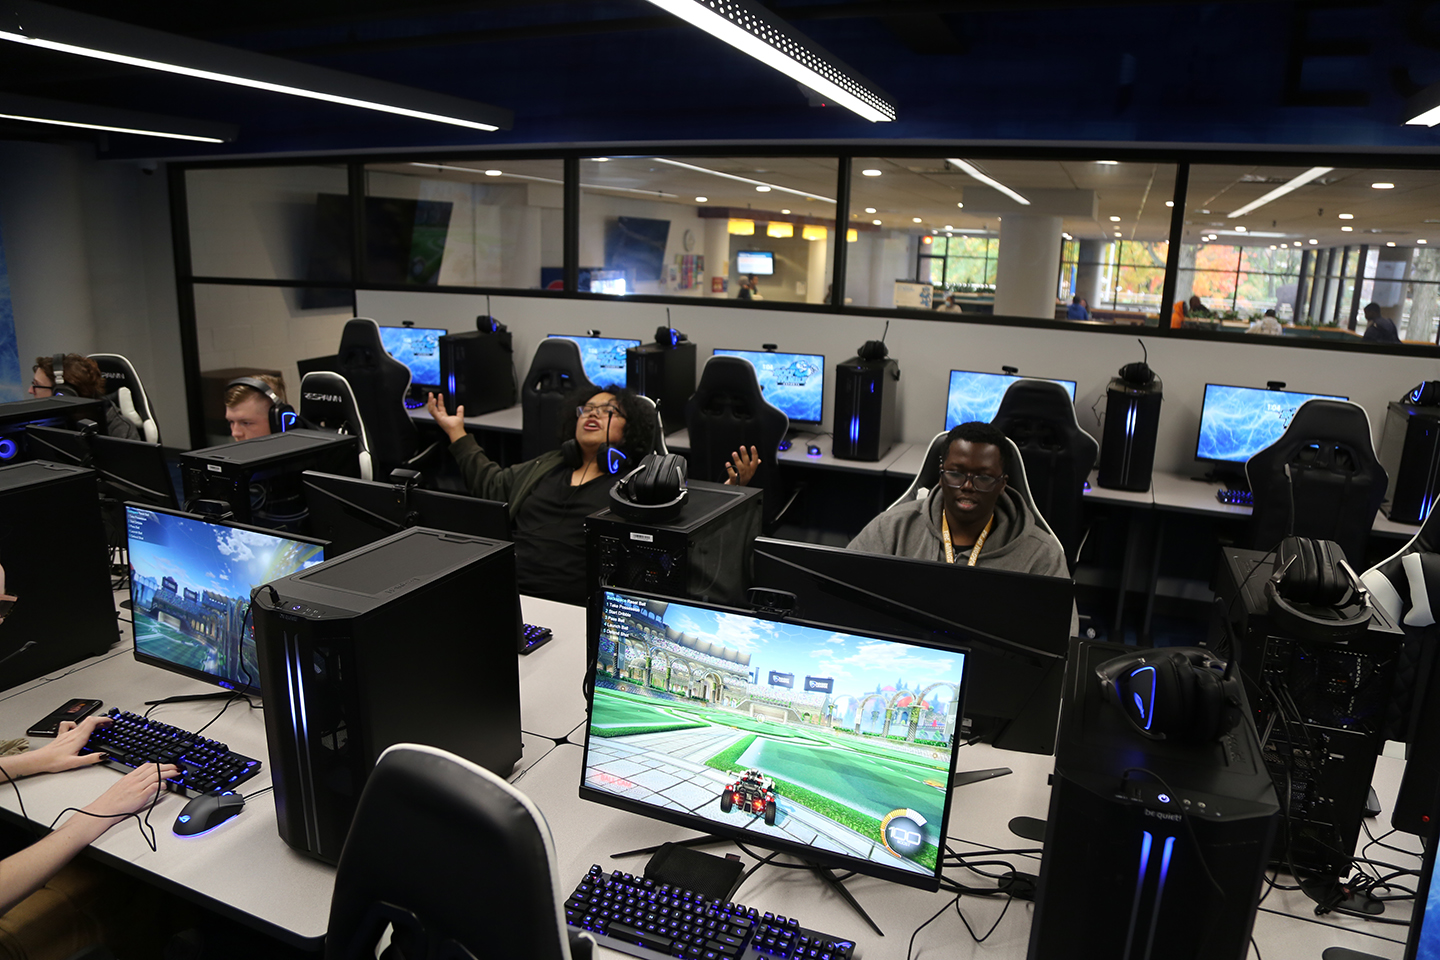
x=508, y=420
x=796, y=456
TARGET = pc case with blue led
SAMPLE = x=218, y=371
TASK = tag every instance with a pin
x=1132, y=423
x=866, y=407
x=1410, y=453
x=1154, y=849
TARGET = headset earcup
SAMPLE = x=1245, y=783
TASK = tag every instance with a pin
x=1208, y=706
x=570, y=450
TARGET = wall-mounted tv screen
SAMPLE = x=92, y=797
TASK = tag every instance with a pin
x=418, y=348
x=1238, y=422
x=792, y=382
x=759, y=262
x=404, y=243
x=974, y=395
x=602, y=357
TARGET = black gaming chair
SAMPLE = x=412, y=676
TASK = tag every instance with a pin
x=1333, y=476
x=379, y=383
x=454, y=860
x=328, y=403
x=728, y=411
x=123, y=386
x=1039, y=417
x=555, y=373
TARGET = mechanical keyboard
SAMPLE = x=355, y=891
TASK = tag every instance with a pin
x=132, y=741
x=413, y=404
x=1235, y=498
x=534, y=636
x=648, y=919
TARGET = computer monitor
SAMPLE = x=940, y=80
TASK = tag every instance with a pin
x=419, y=349
x=759, y=262
x=1238, y=422
x=190, y=585
x=129, y=469
x=793, y=382
x=975, y=395
x=602, y=357
x=1016, y=625
x=16, y=415
x=1424, y=940
x=833, y=744
x=349, y=513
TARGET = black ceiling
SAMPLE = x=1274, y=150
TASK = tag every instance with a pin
x=1323, y=73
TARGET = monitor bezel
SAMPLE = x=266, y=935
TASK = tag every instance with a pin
x=1418, y=919
x=827, y=858
x=1073, y=387
x=330, y=485
x=390, y=326
x=628, y=341
x=767, y=254
x=251, y=689
x=732, y=351
x=1200, y=421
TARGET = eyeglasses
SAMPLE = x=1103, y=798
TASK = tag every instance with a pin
x=35, y=385
x=590, y=410
x=982, y=482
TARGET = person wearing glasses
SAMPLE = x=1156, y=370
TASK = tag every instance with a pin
x=972, y=516
x=551, y=495
x=82, y=379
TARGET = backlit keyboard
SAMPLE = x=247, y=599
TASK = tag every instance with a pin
x=534, y=636
x=1236, y=498
x=648, y=919
x=132, y=741
x=412, y=404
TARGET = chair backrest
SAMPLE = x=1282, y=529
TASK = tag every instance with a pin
x=1039, y=418
x=1389, y=586
x=659, y=445
x=122, y=385
x=455, y=860
x=555, y=373
x=379, y=384
x=327, y=402
x=929, y=475
x=1334, y=479
x=728, y=411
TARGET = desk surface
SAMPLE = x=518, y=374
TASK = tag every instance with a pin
x=508, y=420
x=679, y=442
x=287, y=894
x=1184, y=494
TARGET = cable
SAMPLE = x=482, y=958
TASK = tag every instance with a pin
x=1003, y=910
x=1184, y=816
x=20, y=800
x=909, y=950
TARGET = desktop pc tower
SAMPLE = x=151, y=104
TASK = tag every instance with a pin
x=273, y=463
x=1321, y=706
x=1410, y=454
x=866, y=407
x=1132, y=422
x=1138, y=828
x=48, y=411
x=703, y=554
x=665, y=374
x=410, y=639
x=53, y=548
x=477, y=370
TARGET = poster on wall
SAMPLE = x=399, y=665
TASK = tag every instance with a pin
x=690, y=268
x=914, y=295
x=10, y=388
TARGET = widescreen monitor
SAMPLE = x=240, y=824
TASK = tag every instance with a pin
x=418, y=348
x=190, y=585
x=602, y=357
x=793, y=382
x=974, y=395
x=1238, y=422
x=1016, y=625
x=348, y=513
x=759, y=262
x=833, y=744
x=1424, y=940
x=129, y=469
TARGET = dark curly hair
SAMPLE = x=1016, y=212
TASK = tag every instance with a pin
x=639, y=438
x=82, y=375
x=977, y=431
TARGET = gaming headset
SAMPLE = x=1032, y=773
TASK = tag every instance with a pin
x=1315, y=594
x=1138, y=374
x=611, y=457
x=1425, y=394
x=57, y=376
x=282, y=416
x=1175, y=693
x=654, y=492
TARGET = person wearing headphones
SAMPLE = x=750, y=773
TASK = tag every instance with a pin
x=608, y=435
x=252, y=405
x=79, y=376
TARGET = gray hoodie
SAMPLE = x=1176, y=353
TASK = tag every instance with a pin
x=1016, y=542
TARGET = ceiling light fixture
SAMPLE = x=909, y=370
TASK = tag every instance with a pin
x=1313, y=241
x=780, y=230
x=702, y=199
x=1169, y=203
x=658, y=194
x=756, y=32
x=914, y=219
x=737, y=179
x=876, y=222
x=1346, y=229
x=974, y=171
x=785, y=212
x=871, y=172
x=960, y=205
x=1294, y=183
x=1108, y=163
x=82, y=35
x=1114, y=219
x=494, y=173
x=1382, y=186
x=1347, y=216
x=1389, y=243
x=763, y=189
x=1422, y=240
x=59, y=113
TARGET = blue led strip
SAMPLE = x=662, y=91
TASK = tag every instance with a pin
x=1146, y=841
x=1159, y=895
x=1147, y=707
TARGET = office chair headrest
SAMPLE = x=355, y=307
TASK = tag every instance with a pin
x=653, y=492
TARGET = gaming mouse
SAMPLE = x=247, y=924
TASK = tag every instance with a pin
x=812, y=450
x=207, y=811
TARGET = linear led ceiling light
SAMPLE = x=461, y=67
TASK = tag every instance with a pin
x=87, y=117
x=520, y=176
x=738, y=179
x=1312, y=174
x=758, y=33
x=974, y=171
x=63, y=31
x=1423, y=108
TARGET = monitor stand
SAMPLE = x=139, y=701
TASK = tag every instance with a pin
x=1232, y=475
x=191, y=697
x=825, y=874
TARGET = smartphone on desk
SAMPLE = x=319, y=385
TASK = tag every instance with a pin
x=77, y=710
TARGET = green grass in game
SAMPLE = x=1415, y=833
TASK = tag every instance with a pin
x=164, y=641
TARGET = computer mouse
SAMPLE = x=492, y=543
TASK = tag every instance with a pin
x=206, y=812
x=783, y=445
x=812, y=450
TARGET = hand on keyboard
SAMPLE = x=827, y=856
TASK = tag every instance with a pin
x=133, y=741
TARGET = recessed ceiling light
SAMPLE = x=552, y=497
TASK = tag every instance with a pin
x=1239, y=229
x=869, y=209
x=1272, y=246
x=601, y=159
x=1114, y=219
x=1422, y=240
x=1107, y=163
x=1169, y=203
x=1297, y=243
x=961, y=205
x=1382, y=186
x=1347, y=216
x=1313, y=241
x=872, y=172
x=1204, y=211
x=1389, y=243
x=762, y=189
x=702, y=199
x=1117, y=233
x=876, y=222
x=1346, y=229
x=784, y=211
x=950, y=227
x=914, y=219
x=494, y=173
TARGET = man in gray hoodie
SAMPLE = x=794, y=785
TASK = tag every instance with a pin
x=971, y=517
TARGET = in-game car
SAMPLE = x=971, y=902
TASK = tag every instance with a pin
x=752, y=792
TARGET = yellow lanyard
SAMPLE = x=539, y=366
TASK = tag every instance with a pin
x=979, y=541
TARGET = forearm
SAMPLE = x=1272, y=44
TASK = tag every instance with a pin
x=27, y=871
x=483, y=476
